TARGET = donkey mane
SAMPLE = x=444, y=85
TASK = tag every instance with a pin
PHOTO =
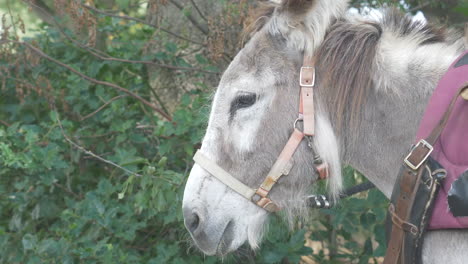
x=346, y=59
x=345, y=62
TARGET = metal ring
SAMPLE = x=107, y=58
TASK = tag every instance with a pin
x=299, y=119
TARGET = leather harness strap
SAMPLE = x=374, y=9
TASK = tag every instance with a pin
x=307, y=112
x=223, y=175
x=284, y=163
x=409, y=185
x=306, y=105
x=281, y=167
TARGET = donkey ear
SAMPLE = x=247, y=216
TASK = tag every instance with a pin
x=294, y=4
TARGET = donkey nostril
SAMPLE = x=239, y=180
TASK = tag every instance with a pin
x=194, y=224
x=192, y=221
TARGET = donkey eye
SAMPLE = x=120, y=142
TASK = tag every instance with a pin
x=243, y=100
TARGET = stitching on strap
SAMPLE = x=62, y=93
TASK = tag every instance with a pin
x=400, y=223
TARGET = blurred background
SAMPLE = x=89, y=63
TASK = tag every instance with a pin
x=102, y=104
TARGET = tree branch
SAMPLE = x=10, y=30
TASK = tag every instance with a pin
x=91, y=153
x=42, y=10
x=418, y=8
x=13, y=24
x=4, y=123
x=77, y=196
x=198, y=10
x=171, y=67
x=83, y=76
x=202, y=28
x=102, y=107
x=103, y=56
x=441, y=11
x=140, y=21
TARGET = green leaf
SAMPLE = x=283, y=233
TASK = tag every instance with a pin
x=171, y=47
x=123, y=4
x=462, y=8
x=29, y=242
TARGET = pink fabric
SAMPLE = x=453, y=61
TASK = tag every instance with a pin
x=451, y=150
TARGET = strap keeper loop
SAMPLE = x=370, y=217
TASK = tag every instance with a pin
x=400, y=223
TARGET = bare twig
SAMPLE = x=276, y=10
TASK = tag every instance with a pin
x=86, y=77
x=198, y=10
x=102, y=107
x=91, y=153
x=140, y=21
x=103, y=56
x=4, y=123
x=42, y=10
x=77, y=196
x=202, y=28
x=108, y=58
x=97, y=136
x=12, y=18
x=417, y=8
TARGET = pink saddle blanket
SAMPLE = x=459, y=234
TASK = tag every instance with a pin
x=451, y=150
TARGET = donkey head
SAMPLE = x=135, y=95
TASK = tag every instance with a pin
x=252, y=116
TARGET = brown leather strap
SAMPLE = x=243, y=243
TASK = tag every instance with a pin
x=408, y=189
x=443, y=122
x=409, y=184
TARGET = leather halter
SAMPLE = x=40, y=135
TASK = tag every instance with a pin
x=284, y=163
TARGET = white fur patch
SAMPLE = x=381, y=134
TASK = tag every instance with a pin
x=327, y=146
x=395, y=54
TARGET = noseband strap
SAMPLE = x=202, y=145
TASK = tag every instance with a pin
x=223, y=175
x=284, y=163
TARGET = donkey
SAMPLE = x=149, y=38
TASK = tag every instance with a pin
x=374, y=79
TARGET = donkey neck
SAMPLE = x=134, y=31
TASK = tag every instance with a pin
x=386, y=131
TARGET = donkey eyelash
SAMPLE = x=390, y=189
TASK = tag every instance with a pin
x=243, y=100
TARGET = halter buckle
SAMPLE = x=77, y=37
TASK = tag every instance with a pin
x=426, y=152
x=307, y=76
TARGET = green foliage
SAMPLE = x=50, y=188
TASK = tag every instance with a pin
x=61, y=204
x=462, y=8
x=357, y=225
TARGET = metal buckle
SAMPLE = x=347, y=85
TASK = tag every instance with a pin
x=416, y=166
x=312, y=84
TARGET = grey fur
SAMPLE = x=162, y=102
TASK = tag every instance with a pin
x=357, y=58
